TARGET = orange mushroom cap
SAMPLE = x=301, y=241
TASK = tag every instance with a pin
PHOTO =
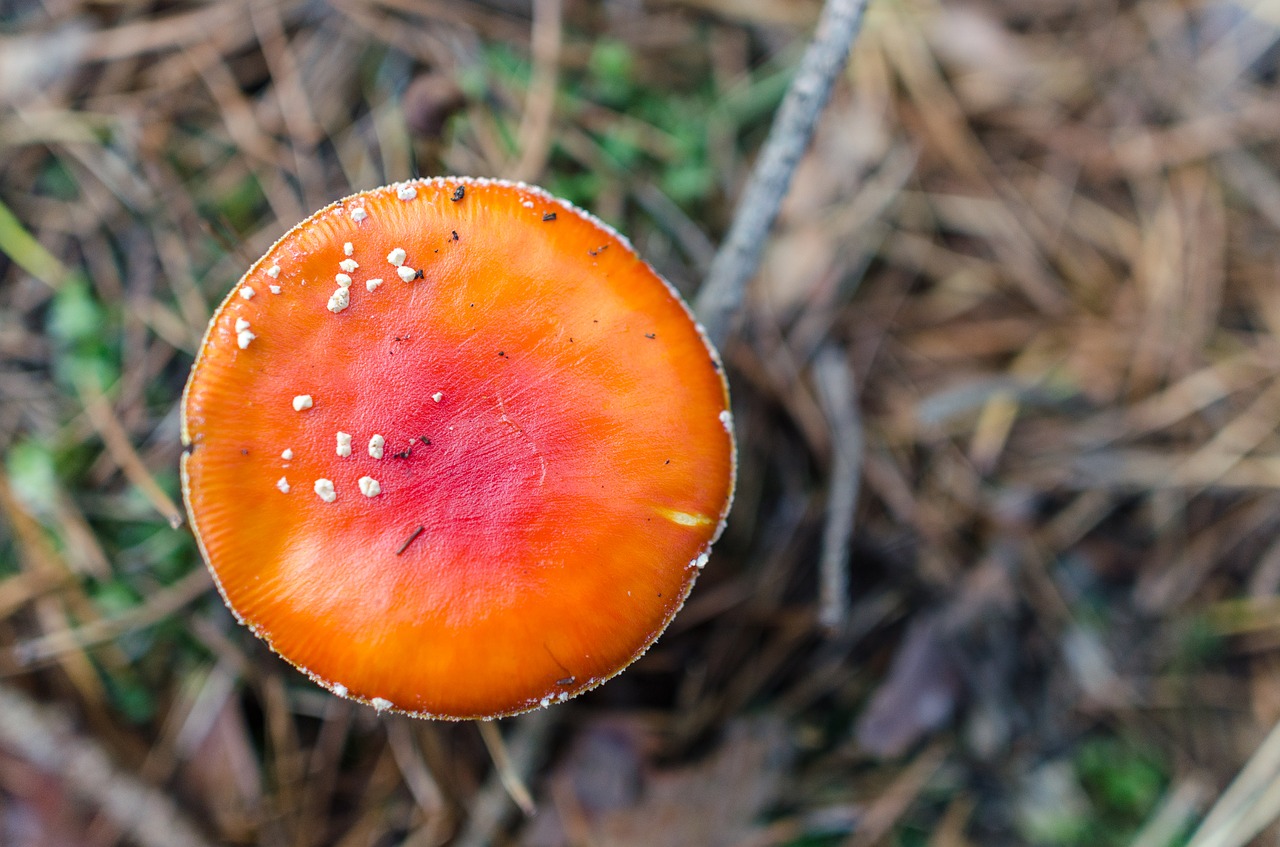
x=453, y=449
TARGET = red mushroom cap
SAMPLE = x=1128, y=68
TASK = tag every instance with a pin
x=481, y=485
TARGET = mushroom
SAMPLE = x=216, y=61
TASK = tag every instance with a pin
x=550, y=452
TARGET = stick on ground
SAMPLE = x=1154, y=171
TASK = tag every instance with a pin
x=720, y=301
x=490, y=808
x=833, y=380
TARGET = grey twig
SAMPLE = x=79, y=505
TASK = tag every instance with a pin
x=720, y=299
x=833, y=380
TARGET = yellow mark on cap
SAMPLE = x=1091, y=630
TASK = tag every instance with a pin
x=684, y=518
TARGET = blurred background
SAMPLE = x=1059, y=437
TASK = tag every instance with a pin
x=1004, y=561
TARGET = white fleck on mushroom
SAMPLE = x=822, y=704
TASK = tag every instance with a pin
x=339, y=689
x=302, y=402
x=348, y=248
x=407, y=273
x=369, y=486
x=247, y=293
x=324, y=488
x=274, y=271
x=283, y=485
x=358, y=215
x=397, y=256
x=339, y=300
x=349, y=265
x=287, y=454
x=379, y=704
x=371, y=284
x=528, y=204
x=275, y=289
x=701, y=561
x=343, y=280
x=376, y=445
x=344, y=444
x=244, y=338
x=406, y=192
x=438, y=396
x=241, y=324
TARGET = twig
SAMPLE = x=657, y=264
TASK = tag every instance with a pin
x=158, y=607
x=490, y=807
x=540, y=101
x=721, y=297
x=292, y=98
x=1249, y=804
x=168, y=32
x=117, y=441
x=511, y=779
x=417, y=775
x=27, y=253
x=836, y=392
x=1175, y=811
x=887, y=809
x=689, y=237
x=412, y=536
x=145, y=814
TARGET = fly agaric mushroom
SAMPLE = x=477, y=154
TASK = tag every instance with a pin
x=465, y=459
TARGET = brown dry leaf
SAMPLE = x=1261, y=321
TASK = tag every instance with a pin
x=918, y=696
x=609, y=793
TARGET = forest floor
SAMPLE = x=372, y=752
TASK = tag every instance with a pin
x=1015, y=341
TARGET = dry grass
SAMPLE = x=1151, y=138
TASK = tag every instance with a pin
x=1021, y=308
